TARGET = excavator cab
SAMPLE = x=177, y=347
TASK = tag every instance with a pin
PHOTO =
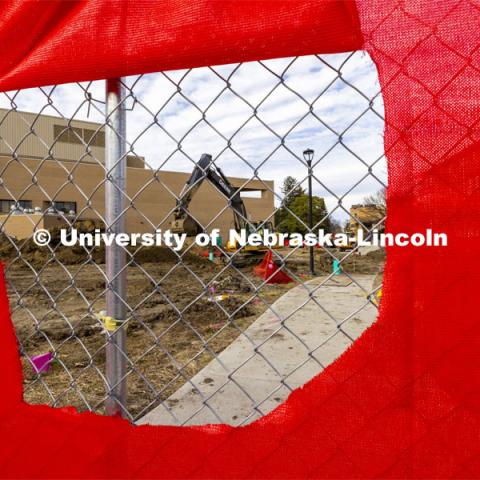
x=252, y=227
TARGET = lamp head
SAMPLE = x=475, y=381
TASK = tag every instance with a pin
x=308, y=155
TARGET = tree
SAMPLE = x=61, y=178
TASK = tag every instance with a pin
x=335, y=226
x=378, y=198
x=290, y=191
x=295, y=219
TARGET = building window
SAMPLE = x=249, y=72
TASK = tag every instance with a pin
x=65, y=207
x=79, y=136
x=247, y=193
x=7, y=205
x=97, y=139
x=67, y=134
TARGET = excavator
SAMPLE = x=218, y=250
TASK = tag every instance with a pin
x=184, y=223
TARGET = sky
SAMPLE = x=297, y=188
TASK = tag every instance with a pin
x=255, y=119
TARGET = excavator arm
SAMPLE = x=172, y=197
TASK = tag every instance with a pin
x=205, y=169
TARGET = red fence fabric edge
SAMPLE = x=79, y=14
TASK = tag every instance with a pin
x=80, y=40
x=404, y=400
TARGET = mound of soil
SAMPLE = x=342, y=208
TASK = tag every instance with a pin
x=76, y=255
x=377, y=255
x=59, y=328
x=7, y=247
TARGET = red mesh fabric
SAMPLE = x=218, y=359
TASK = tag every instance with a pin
x=55, y=41
x=404, y=401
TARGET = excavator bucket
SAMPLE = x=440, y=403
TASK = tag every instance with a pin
x=185, y=225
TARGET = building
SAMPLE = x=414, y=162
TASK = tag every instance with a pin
x=366, y=217
x=45, y=158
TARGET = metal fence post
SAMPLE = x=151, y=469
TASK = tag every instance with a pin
x=115, y=185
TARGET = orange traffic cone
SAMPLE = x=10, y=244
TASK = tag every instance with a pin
x=274, y=275
x=270, y=272
x=262, y=267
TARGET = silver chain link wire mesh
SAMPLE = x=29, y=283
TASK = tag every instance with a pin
x=206, y=342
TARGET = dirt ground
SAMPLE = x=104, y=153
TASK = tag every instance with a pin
x=175, y=325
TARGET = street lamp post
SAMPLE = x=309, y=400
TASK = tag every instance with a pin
x=308, y=156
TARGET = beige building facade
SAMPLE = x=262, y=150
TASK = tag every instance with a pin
x=366, y=217
x=45, y=159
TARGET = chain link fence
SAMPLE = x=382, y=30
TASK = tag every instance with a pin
x=191, y=335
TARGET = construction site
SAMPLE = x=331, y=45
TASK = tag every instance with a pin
x=221, y=333
x=216, y=305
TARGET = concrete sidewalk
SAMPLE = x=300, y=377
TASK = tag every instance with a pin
x=270, y=353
